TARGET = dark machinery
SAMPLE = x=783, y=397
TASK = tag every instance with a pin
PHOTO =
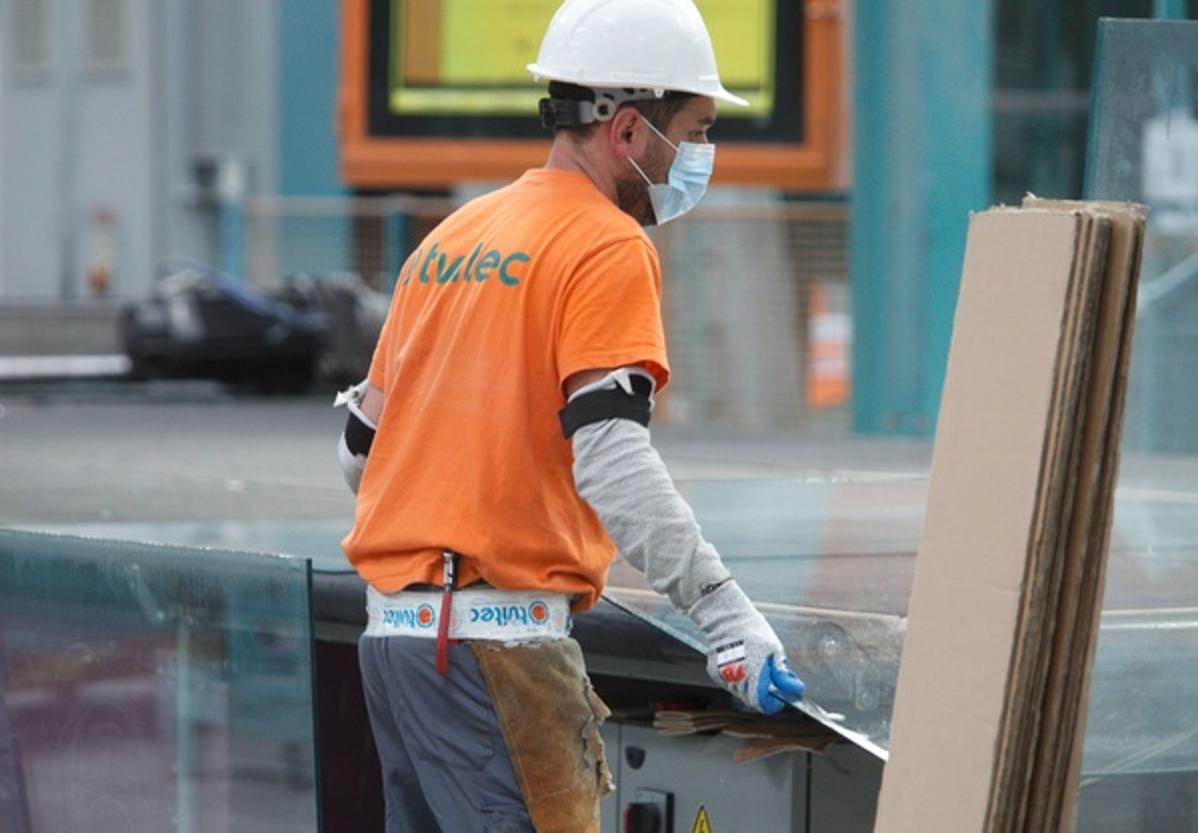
x=200, y=323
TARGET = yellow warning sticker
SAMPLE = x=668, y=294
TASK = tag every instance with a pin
x=702, y=823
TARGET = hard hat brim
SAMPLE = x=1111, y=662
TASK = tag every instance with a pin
x=724, y=95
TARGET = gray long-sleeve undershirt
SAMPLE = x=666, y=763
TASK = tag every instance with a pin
x=624, y=480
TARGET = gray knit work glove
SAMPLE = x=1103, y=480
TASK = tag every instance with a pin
x=744, y=655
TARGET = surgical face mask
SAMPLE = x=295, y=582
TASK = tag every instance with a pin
x=687, y=180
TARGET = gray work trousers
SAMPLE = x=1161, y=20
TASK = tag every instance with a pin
x=446, y=767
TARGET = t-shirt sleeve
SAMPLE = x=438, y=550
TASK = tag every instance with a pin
x=611, y=315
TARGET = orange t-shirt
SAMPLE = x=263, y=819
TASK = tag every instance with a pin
x=503, y=301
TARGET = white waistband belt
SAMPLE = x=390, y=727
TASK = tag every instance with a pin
x=477, y=614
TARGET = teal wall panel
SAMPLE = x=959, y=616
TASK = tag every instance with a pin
x=308, y=153
x=308, y=49
x=921, y=164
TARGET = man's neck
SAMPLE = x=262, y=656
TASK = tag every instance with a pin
x=566, y=155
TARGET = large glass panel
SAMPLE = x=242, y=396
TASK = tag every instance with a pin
x=319, y=540
x=150, y=688
x=829, y=560
x=1141, y=748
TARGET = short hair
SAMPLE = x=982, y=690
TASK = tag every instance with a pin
x=657, y=111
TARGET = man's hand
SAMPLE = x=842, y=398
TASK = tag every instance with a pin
x=744, y=654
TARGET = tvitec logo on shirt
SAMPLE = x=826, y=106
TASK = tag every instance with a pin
x=441, y=267
x=422, y=616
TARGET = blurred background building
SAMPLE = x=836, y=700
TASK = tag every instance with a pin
x=814, y=291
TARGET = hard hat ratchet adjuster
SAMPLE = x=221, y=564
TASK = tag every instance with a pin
x=572, y=112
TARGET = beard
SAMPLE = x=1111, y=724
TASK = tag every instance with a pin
x=632, y=197
x=632, y=192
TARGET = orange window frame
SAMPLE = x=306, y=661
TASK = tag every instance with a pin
x=816, y=164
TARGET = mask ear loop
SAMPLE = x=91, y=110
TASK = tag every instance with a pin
x=661, y=136
x=637, y=167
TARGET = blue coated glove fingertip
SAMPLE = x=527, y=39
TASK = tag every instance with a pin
x=776, y=688
x=788, y=684
x=766, y=701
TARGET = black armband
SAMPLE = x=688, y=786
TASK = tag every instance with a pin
x=609, y=403
x=358, y=435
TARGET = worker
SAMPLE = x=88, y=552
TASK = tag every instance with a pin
x=500, y=451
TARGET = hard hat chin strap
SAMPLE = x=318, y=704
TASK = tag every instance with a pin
x=569, y=112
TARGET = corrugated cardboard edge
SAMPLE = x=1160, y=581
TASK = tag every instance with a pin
x=1047, y=560
x=1084, y=646
x=1078, y=595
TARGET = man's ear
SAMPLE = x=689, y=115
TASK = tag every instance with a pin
x=624, y=132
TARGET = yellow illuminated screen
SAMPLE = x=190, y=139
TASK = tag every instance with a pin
x=468, y=57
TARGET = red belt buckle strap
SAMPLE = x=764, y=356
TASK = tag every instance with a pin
x=450, y=574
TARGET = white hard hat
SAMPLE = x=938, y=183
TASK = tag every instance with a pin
x=659, y=45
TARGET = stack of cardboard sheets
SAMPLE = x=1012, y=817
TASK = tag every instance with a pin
x=990, y=708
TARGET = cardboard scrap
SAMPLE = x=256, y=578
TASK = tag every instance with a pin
x=990, y=707
x=764, y=736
